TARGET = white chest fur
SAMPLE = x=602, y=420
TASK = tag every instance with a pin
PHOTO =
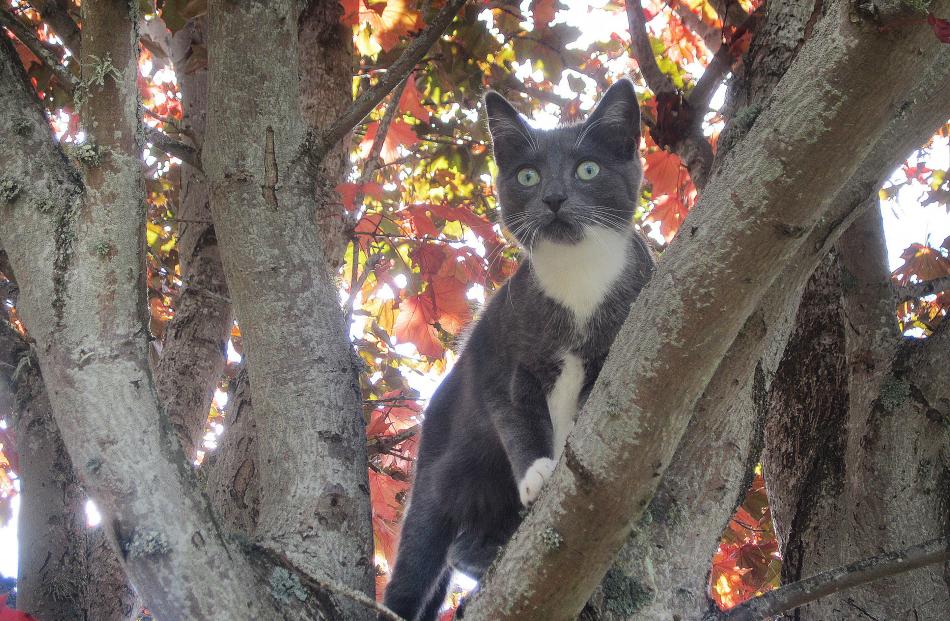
x=562, y=400
x=578, y=276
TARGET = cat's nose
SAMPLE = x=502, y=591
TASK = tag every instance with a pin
x=554, y=201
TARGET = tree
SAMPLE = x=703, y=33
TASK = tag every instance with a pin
x=768, y=334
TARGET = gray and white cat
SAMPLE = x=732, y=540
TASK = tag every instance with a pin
x=497, y=424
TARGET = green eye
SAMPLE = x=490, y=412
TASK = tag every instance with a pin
x=588, y=170
x=528, y=176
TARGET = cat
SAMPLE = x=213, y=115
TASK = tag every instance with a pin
x=495, y=428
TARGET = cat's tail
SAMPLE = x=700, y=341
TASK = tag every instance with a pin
x=420, y=578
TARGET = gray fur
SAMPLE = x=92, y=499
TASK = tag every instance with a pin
x=489, y=420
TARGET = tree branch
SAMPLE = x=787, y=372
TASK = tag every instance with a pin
x=793, y=595
x=32, y=42
x=711, y=36
x=642, y=51
x=382, y=444
x=396, y=73
x=603, y=483
x=63, y=24
x=175, y=148
x=685, y=138
x=915, y=290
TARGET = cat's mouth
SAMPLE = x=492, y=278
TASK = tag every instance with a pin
x=561, y=229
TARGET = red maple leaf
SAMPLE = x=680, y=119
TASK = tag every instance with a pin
x=348, y=192
x=400, y=133
x=367, y=224
x=411, y=101
x=449, y=303
x=414, y=325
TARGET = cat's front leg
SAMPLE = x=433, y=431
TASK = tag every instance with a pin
x=526, y=433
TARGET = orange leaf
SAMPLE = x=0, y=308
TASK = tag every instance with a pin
x=367, y=224
x=449, y=303
x=411, y=101
x=348, y=192
x=414, y=325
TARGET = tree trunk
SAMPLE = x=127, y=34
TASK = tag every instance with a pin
x=313, y=480
x=857, y=458
x=62, y=573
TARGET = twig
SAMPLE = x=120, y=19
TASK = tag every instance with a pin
x=356, y=283
x=514, y=83
x=705, y=87
x=383, y=444
x=372, y=160
x=828, y=582
x=164, y=142
x=396, y=73
x=914, y=290
x=32, y=42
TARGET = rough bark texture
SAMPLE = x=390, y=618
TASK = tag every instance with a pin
x=61, y=575
x=326, y=76
x=326, y=56
x=766, y=197
x=857, y=458
x=77, y=243
x=192, y=356
x=314, y=493
x=233, y=480
x=709, y=472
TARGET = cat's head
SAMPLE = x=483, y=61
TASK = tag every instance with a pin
x=552, y=184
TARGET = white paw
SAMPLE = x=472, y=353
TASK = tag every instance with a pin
x=534, y=478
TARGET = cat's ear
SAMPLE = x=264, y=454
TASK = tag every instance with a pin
x=615, y=121
x=509, y=132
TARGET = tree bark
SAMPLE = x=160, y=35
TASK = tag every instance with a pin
x=313, y=481
x=192, y=356
x=61, y=573
x=77, y=243
x=857, y=458
x=775, y=170
x=325, y=50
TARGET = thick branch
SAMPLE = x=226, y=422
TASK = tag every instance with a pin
x=81, y=246
x=175, y=148
x=192, y=353
x=395, y=74
x=799, y=593
x=314, y=496
x=753, y=213
x=656, y=80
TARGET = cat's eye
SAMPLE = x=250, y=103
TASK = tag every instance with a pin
x=587, y=170
x=528, y=177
